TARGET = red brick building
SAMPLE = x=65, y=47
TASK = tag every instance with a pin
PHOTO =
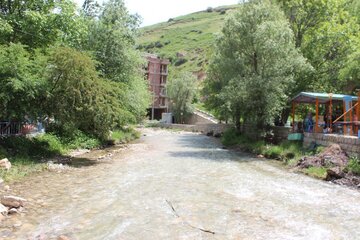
x=156, y=73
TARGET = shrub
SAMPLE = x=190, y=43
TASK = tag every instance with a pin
x=158, y=44
x=170, y=20
x=232, y=137
x=209, y=9
x=152, y=123
x=149, y=46
x=42, y=146
x=124, y=135
x=354, y=166
x=54, y=145
x=223, y=12
x=167, y=42
x=274, y=152
x=180, y=62
x=317, y=172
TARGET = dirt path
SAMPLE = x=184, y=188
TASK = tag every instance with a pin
x=183, y=186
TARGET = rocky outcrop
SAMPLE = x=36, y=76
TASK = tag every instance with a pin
x=331, y=156
x=13, y=201
x=5, y=164
x=3, y=209
x=335, y=159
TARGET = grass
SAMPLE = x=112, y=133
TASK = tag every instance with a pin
x=124, y=135
x=354, y=165
x=192, y=36
x=29, y=155
x=287, y=151
x=317, y=172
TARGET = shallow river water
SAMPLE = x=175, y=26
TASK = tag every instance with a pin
x=182, y=186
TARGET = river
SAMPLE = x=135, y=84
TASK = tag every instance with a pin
x=176, y=185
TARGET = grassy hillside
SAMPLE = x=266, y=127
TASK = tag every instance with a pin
x=187, y=40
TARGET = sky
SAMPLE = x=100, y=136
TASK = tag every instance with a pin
x=155, y=11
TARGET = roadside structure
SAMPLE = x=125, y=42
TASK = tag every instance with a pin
x=344, y=121
x=338, y=123
x=156, y=72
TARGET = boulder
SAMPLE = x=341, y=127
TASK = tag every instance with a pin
x=332, y=155
x=334, y=173
x=13, y=201
x=5, y=164
x=3, y=210
x=13, y=211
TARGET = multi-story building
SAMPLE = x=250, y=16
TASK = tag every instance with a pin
x=156, y=72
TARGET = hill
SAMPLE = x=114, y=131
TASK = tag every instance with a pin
x=187, y=40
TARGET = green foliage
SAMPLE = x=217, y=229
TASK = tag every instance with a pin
x=152, y=123
x=78, y=96
x=232, y=137
x=20, y=82
x=254, y=66
x=125, y=135
x=182, y=91
x=317, y=172
x=273, y=152
x=29, y=22
x=111, y=40
x=288, y=151
x=43, y=146
x=180, y=62
x=354, y=165
x=21, y=167
x=325, y=32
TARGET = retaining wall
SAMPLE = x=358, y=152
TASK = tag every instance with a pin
x=203, y=128
x=350, y=144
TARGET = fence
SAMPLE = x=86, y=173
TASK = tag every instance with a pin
x=10, y=128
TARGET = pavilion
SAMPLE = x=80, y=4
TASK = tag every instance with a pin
x=349, y=120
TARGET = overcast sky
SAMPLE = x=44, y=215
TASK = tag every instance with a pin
x=155, y=11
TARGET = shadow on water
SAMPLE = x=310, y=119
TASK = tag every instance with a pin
x=78, y=162
x=192, y=141
x=217, y=155
x=211, y=149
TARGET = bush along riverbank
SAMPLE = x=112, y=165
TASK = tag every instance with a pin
x=27, y=155
x=330, y=163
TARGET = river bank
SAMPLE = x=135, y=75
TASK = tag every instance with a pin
x=30, y=155
x=325, y=163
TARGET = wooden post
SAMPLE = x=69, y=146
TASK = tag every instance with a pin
x=358, y=114
x=317, y=116
x=293, y=116
x=344, y=118
x=330, y=113
x=351, y=118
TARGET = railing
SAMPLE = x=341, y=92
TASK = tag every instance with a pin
x=10, y=128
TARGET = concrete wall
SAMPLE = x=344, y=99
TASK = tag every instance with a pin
x=196, y=119
x=350, y=144
x=203, y=128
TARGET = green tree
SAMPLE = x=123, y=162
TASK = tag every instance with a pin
x=254, y=66
x=21, y=82
x=181, y=91
x=324, y=32
x=78, y=96
x=112, y=42
x=40, y=23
